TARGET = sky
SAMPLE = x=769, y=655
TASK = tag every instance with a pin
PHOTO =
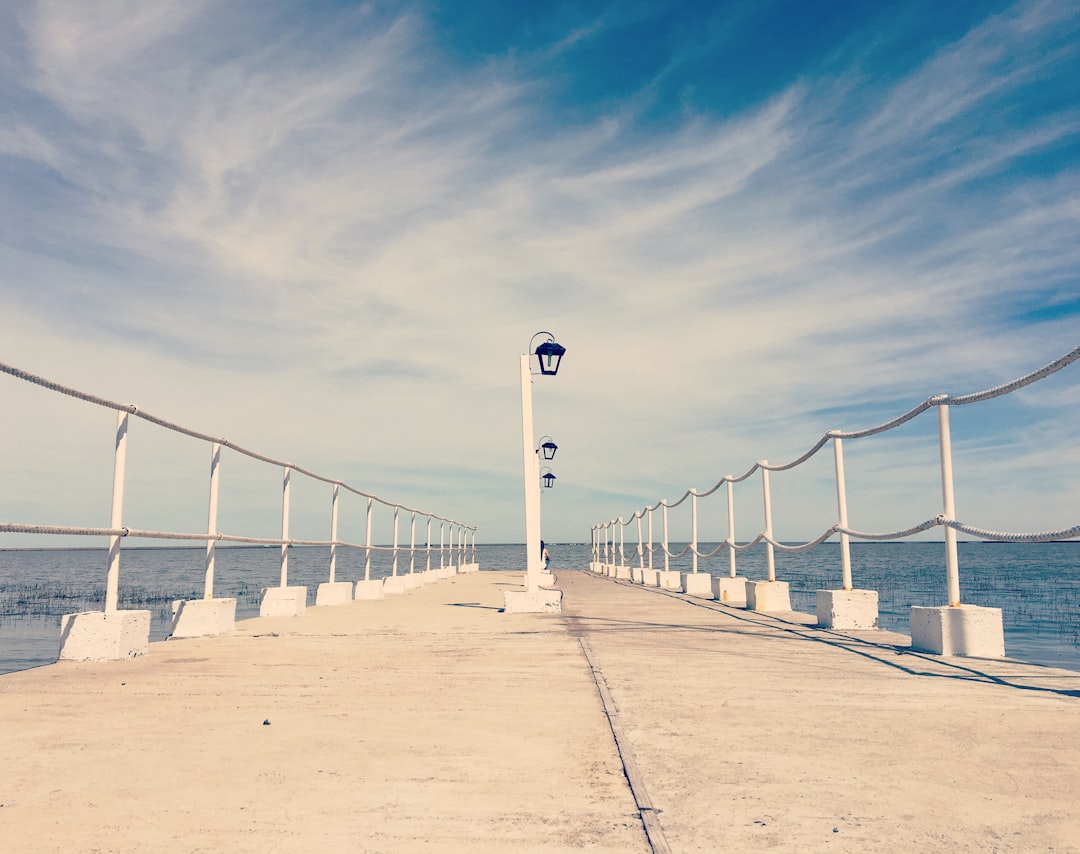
x=328, y=230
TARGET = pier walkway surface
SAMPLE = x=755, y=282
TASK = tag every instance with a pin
x=431, y=721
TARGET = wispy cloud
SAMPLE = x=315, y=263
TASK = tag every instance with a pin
x=345, y=210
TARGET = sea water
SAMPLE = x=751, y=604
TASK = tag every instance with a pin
x=1037, y=586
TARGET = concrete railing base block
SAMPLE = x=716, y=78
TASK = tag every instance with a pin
x=370, y=589
x=768, y=596
x=697, y=584
x=637, y=575
x=965, y=630
x=847, y=609
x=730, y=591
x=669, y=579
x=283, y=602
x=395, y=584
x=622, y=572
x=197, y=618
x=334, y=593
x=100, y=636
x=648, y=577
x=542, y=601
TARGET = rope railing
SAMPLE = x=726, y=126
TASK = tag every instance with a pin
x=116, y=531
x=606, y=551
x=132, y=409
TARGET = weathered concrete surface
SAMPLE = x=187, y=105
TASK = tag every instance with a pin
x=757, y=731
x=433, y=722
x=425, y=722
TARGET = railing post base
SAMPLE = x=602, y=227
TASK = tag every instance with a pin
x=730, y=590
x=370, y=589
x=697, y=584
x=964, y=630
x=196, y=618
x=669, y=579
x=542, y=601
x=334, y=593
x=768, y=596
x=104, y=635
x=283, y=602
x=847, y=609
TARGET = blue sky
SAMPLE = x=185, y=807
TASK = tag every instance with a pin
x=327, y=230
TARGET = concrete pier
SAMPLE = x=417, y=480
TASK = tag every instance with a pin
x=287, y=735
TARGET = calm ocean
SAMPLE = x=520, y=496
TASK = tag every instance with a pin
x=1036, y=586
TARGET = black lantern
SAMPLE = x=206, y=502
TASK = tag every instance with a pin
x=549, y=355
x=548, y=448
x=548, y=478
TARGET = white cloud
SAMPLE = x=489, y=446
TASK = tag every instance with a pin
x=330, y=240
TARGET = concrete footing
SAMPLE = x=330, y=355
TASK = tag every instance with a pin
x=283, y=602
x=196, y=618
x=669, y=579
x=730, y=591
x=542, y=601
x=648, y=577
x=697, y=584
x=768, y=596
x=638, y=575
x=847, y=609
x=393, y=584
x=334, y=593
x=966, y=630
x=370, y=589
x=622, y=572
x=101, y=636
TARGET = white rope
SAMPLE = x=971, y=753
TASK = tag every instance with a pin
x=998, y=536
x=65, y=530
x=131, y=409
x=1027, y=379
x=936, y=400
x=805, y=547
x=893, y=535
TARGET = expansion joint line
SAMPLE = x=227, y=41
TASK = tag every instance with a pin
x=646, y=811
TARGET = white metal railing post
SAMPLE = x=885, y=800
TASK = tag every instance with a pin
x=693, y=529
x=841, y=508
x=394, y=571
x=116, y=516
x=640, y=545
x=412, y=544
x=952, y=563
x=211, y=520
x=650, y=537
x=367, y=557
x=769, y=556
x=442, y=557
x=731, y=524
x=667, y=555
x=333, y=532
x=427, y=543
x=285, y=526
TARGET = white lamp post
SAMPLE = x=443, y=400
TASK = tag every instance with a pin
x=549, y=355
